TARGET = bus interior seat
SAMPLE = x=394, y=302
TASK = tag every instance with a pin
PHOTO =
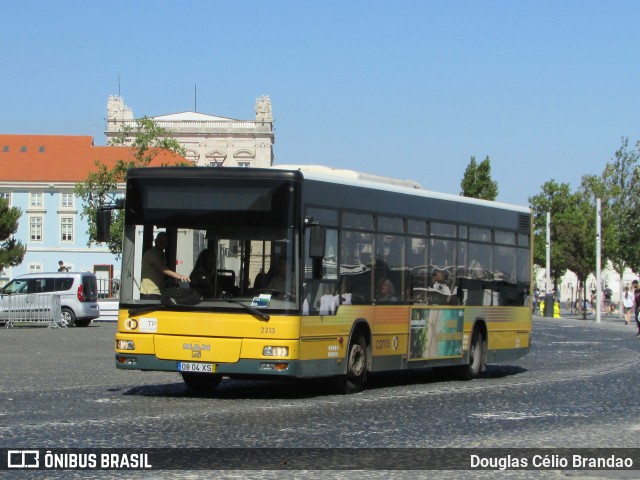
x=226, y=280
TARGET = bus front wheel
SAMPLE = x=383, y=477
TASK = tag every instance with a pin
x=201, y=382
x=357, y=364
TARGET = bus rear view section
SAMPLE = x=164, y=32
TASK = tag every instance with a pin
x=307, y=274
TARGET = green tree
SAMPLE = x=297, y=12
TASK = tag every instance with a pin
x=621, y=201
x=556, y=199
x=618, y=189
x=477, y=181
x=11, y=250
x=572, y=230
x=146, y=140
x=577, y=234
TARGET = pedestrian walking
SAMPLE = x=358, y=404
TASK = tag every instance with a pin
x=636, y=299
x=628, y=304
x=607, y=293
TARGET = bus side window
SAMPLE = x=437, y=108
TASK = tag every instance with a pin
x=356, y=263
x=390, y=264
x=443, y=272
x=320, y=297
x=417, y=269
x=320, y=290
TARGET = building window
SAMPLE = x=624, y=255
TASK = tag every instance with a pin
x=244, y=164
x=35, y=267
x=192, y=156
x=35, y=229
x=23, y=148
x=5, y=148
x=66, y=200
x=6, y=196
x=35, y=199
x=216, y=158
x=66, y=229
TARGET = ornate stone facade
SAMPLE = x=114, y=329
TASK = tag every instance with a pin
x=210, y=140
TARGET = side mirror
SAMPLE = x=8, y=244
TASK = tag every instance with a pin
x=103, y=225
x=317, y=240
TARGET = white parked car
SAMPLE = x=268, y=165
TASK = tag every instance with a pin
x=78, y=293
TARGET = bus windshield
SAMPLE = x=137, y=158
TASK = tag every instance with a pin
x=227, y=244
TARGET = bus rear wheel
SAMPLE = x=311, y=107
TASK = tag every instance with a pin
x=357, y=365
x=201, y=382
x=477, y=353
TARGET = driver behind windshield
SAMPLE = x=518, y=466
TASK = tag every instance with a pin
x=154, y=269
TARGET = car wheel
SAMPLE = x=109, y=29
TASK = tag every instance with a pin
x=68, y=316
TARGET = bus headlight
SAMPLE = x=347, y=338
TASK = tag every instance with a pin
x=275, y=351
x=125, y=345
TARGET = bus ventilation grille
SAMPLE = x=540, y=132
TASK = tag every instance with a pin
x=524, y=222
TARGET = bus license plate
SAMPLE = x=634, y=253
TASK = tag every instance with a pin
x=196, y=367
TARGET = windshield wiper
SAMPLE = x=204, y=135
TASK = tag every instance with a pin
x=145, y=308
x=261, y=316
x=150, y=308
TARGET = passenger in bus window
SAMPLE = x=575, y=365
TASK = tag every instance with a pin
x=345, y=295
x=154, y=269
x=279, y=281
x=260, y=281
x=440, y=283
x=386, y=291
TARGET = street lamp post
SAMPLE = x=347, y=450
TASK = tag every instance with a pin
x=598, y=262
x=548, y=296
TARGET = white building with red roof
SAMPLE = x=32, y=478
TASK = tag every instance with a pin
x=38, y=175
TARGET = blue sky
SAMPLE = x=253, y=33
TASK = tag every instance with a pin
x=409, y=89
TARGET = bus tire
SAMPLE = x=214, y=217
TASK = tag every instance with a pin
x=201, y=382
x=357, y=365
x=477, y=353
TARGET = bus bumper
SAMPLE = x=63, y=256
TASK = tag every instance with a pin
x=244, y=367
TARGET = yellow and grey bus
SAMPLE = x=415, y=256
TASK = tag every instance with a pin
x=315, y=272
